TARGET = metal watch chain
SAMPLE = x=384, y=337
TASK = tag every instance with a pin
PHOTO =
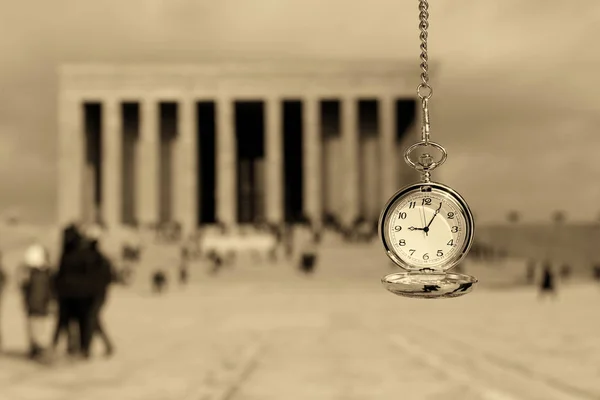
x=425, y=164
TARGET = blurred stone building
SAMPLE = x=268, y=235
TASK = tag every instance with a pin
x=238, y=143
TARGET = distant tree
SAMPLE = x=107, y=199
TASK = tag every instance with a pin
x=513, y=217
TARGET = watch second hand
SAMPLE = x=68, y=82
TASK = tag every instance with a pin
x=423, y=218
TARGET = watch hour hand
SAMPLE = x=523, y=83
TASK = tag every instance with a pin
x=412, y=228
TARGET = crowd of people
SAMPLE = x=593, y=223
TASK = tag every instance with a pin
x=74, y=293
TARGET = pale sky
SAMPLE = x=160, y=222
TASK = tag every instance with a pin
x=516, y=95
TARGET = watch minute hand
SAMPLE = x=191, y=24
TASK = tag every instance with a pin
x=434, y=215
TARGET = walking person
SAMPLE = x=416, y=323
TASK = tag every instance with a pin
x=77, y=284
x=308, y=256
x=102, y=275
x=159, y=281
x=596, y=272
x=66, y=317
x=36, y=287
x=2, y=286
x=183, y=266
x=288, y=241
x=216, y=260
x=547, y=285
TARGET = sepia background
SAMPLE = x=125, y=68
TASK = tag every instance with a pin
x=516, y=105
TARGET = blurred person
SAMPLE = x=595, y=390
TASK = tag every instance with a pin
x=65, y=317
x=36, y=286
x=278, y=231
x=3, y=280
x=308, y=261
x=130, y=255
x=103, y=276
x=596, y=272
x=318, y=235
x=308, y=256
x=195, y=241
x=217, y=261
x=183, y=274
x=80, y=282
x=288, y=241
x=547, y=285
x=183, y=265
x=159, y=281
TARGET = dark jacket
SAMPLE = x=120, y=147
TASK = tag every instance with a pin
x=83, y=272
x=2, y=279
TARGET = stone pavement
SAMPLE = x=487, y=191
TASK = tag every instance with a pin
x=295, y=337
x=494, y=346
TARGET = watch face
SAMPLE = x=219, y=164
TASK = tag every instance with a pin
x=426, y=227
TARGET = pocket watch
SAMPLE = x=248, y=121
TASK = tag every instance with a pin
x=427, y=227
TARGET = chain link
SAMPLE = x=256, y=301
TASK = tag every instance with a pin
x=424, y=90
x=425, y=164
x=423, y=25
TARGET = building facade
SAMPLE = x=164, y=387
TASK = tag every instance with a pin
x=233, y=142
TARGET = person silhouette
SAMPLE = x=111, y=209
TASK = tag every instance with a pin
x=36, y=288
x=103, y=276
x=66, y=316
x=159, y=281
x=547, y=285
x=596, y=272
x=2, y=286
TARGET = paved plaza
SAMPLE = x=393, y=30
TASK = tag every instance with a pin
x=266, y=333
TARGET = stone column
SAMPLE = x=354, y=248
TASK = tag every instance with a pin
x=274, y=161
x=147, y=207
x=369, y=174
x=226, y=198
x=311, y=162
x=71, y=159
x=406, y=174
x=350, y=154
x=389, y=159
x=186, y=158
x=112, y=163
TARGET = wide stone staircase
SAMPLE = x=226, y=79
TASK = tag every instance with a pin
x=338, y=261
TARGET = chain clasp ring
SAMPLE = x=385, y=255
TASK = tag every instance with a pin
x=424, y=91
